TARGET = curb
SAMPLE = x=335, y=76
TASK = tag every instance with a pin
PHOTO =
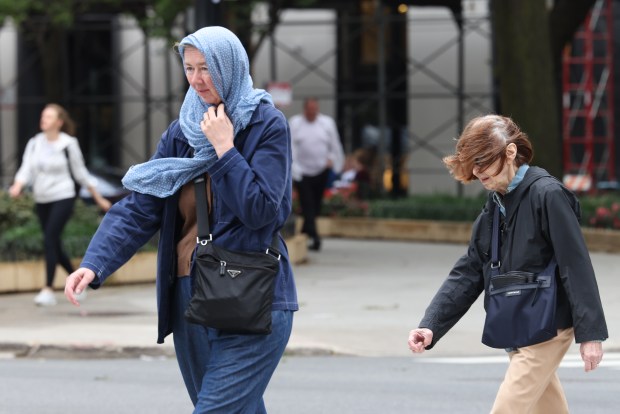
x=12, y=350
x=22, y=350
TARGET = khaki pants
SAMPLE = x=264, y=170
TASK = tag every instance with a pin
x=531, y=384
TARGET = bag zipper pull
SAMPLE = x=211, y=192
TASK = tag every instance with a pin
x=222, y=268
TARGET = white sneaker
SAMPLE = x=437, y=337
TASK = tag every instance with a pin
x=45, y=298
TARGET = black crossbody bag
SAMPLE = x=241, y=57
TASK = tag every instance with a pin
x=233, y=290
x=520, y=308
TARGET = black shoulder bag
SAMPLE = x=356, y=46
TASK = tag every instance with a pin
x=521, y=306
x=233, y=291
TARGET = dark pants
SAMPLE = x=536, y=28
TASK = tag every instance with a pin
x=310, y=190
x=53, y=218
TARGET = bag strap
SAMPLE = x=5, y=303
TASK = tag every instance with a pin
x=495, y=252
x=202, y=217
x=202, y=211
x=75, y=182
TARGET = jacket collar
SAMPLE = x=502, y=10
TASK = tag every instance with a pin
x=499, y=199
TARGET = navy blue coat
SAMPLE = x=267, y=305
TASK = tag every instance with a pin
x=252, y=189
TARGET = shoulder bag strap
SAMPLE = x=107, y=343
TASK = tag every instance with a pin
x=495, y=253
x=75, y=182
x=202, y=218
x=202, y=211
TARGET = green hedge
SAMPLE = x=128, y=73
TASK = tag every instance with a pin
x=597, y=210
x=428, y=207
x=20, y=232
x=602, y=211
x=21, y=238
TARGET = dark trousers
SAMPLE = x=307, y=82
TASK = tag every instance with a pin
x=53, y=218
x=310, y=190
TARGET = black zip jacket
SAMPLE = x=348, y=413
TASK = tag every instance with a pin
x=542, y=219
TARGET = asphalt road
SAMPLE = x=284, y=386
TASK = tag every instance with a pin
x=301, y=385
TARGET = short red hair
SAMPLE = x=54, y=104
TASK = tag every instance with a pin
x=482, y=142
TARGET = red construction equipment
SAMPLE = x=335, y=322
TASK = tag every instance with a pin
x=588, y=102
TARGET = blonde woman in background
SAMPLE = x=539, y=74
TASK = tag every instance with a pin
x=52, y=160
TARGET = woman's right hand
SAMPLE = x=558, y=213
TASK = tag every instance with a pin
x=419, y=339
x=76, y=283
x=218, y=129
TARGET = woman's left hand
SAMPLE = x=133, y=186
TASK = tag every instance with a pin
x=592, y=354
x=104, y=204
x=218, y=129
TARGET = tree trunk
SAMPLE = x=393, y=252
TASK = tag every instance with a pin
x=49, y=43
x=524, y=67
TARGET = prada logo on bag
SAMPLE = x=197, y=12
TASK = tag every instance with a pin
x=234, y=273
x=513, y=293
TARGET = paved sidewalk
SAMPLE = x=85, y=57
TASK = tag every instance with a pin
x=357, y=297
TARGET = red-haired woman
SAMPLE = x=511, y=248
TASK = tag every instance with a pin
x=539, y=219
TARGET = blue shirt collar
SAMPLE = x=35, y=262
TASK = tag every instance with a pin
x=516, y=180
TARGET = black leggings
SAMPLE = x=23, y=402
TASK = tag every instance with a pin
x=53, y=217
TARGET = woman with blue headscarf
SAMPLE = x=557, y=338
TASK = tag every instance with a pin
x=231, y=134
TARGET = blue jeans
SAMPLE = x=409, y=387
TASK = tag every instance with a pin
x=226, y=373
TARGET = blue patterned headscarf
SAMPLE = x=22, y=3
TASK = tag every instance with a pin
x=229, y=68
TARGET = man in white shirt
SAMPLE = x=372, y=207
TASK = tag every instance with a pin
x=316, y=150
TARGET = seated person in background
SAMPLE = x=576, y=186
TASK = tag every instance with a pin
x=355, y=174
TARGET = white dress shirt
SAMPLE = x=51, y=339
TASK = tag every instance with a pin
x=314, y=144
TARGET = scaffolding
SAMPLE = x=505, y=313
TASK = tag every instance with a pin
x=425, y=84
x=588, y=103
